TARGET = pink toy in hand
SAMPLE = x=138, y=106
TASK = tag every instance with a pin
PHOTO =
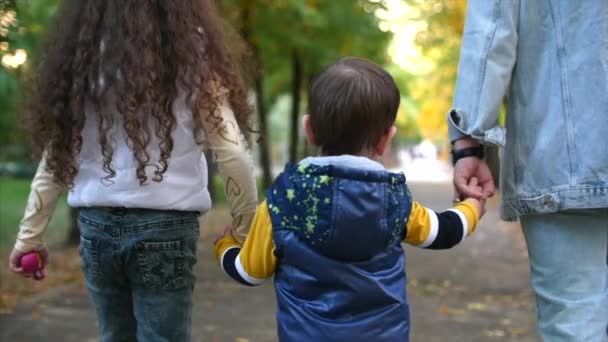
x=32, y=263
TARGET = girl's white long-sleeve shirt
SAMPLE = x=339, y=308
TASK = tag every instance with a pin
x=184, y=184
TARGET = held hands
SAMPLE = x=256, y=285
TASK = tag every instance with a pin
x=479, y=203
x=467, y=168
x=227, y=232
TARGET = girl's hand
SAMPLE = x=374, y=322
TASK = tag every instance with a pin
x=15, y=261
x=227, y=232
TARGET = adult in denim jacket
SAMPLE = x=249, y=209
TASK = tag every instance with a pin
x=550, y=58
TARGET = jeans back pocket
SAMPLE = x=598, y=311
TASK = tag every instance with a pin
x=161, y=264
x=89, y=256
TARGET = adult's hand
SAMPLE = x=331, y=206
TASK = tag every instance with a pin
x=467, y=168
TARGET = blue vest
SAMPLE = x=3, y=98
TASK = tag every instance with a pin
x=341, y=269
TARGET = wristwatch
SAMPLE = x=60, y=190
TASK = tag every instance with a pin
x=467, y=152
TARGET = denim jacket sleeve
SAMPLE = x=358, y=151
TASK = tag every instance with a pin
x=487, y=57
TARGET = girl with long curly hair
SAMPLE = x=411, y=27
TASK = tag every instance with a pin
x=127, y=96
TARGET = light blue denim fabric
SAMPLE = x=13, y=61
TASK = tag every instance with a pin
x=570, y=274
x=550, y=58
x=138, y=269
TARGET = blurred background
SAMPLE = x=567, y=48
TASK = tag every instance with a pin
x=416, y=40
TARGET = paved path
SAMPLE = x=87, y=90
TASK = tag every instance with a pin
x=476, y=292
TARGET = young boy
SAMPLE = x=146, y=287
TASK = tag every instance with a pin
x=331, y=227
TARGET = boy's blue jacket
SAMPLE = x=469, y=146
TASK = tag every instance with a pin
x=331, y=231
x=341, y=275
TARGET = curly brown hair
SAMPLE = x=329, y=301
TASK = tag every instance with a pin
x=141, y=53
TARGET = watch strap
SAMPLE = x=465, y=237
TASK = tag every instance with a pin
x=467, y=152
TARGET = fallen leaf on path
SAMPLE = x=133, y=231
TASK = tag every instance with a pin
x=210, y=328
x=35, y=314
x=517, y=331
x=494, y=333
x=475, y=306
x=429, y=290
x=445, y=310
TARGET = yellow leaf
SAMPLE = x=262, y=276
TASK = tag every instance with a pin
x=477, y=306
x=494, y=333
x=517, y=331
x=445, y=310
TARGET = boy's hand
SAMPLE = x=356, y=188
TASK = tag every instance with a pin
x=15, y=260
x=227, y=232
x=480, y=204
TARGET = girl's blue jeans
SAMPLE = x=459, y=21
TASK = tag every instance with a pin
x=569, y=272
x=138, y=266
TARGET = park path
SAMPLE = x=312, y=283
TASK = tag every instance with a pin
x=476, y=292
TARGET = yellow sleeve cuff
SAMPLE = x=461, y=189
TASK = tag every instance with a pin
x=224, y=244
x=418, y=225
x=470, y=212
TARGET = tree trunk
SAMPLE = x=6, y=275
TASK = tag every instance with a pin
x=259, y=93
x=73, y=237
x=296, y=91
x=211, y=172
x=264, y=145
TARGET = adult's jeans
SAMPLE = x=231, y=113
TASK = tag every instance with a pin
x=568, y=254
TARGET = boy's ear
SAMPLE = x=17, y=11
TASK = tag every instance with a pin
x=310, y=136
x=385, y=141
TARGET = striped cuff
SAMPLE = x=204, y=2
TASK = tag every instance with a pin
x=223, y=244
x=231, y=265
x=448, y=228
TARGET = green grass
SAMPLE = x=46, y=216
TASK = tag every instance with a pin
x=13, y=198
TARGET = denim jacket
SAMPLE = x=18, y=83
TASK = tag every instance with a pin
x=550, y=59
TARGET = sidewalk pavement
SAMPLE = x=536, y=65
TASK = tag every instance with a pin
x=476, y=292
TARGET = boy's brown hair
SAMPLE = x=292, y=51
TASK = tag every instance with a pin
x=351, y=104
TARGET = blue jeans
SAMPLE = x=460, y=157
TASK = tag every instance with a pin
x=138, y=269
x=569, y=273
